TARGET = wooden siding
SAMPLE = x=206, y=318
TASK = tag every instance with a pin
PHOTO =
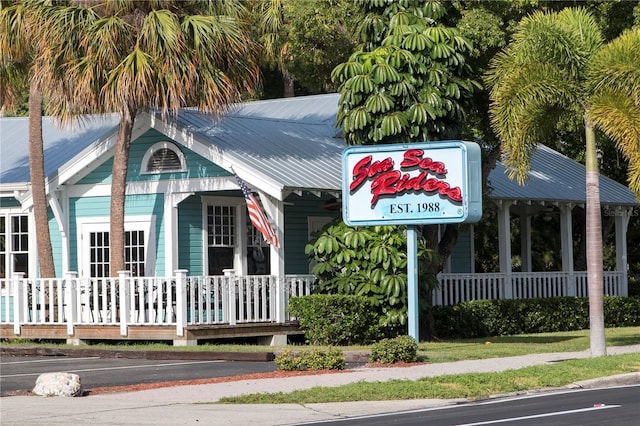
x=135, y=205
x=190, y=241
x=461, y=254
x=296, y=229
x=6, y=202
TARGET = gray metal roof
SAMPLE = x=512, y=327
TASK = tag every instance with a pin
x=556, y=178
x=60, y=143
x=293, y=142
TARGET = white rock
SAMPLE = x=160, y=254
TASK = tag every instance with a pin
x=58, y=384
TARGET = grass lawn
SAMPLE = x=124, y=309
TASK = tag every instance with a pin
x=470, y=386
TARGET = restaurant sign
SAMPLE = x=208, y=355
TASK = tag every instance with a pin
x=412, y=184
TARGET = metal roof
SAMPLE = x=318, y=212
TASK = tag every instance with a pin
x=60, y=143
x=556, y=178
x=293, y=142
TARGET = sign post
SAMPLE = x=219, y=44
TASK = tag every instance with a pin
x=413, y=184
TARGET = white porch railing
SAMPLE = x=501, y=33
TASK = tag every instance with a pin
x=182, y=300
x=126, y=301
x=458, y=288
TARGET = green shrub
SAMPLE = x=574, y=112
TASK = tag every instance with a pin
x=335, y=319
x=396, y=349
x=330, y=359
x=482, y=318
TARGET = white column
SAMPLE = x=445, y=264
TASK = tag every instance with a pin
x=622, y=223
x=171, y=201
x=566, y=246
x=525, y=239
x=62, y=222
x=275, y=211
x=504, y=241
x=71, y=301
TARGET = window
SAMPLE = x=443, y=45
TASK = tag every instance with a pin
x=163, y=157
x=221, y=238
x=94, y=248
x=258, y=251
x=14, y=245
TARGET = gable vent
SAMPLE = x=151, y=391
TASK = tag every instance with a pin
x=163, y=157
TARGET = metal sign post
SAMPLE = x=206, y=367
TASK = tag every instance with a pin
x=412, y=184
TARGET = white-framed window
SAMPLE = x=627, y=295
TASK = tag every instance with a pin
x=14, y=244
x=163, y=157
x=231, y=240
x=221, y=219
x=94, y=246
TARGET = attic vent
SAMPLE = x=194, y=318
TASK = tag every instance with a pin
x=163, y=157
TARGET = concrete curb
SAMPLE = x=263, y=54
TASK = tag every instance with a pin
x=601, y=382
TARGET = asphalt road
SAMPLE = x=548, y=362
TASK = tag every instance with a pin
x=618, y=406
x=19, y=373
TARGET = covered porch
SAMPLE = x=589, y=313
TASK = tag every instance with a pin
x=182, y=309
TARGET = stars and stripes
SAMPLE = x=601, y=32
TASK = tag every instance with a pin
x=256, y=214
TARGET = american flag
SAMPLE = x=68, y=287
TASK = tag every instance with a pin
x=256, y=214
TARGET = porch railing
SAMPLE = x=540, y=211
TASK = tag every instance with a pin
x=126, y=301
x=458, y=288
x=183, y=300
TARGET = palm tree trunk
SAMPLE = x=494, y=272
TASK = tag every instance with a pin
x=118, y=192
x=36, y=167
x=594, y=247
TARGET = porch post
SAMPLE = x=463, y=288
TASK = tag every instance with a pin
x=71, y=301
x=181, y=301
x=171, y=201
x=17, y=283
x=525, y=238
x=277, y=258
x=566, y=247
x=123, y=292
x=504, y=239
x=622, y=223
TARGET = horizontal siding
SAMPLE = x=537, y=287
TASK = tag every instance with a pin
x=135, y=205
x=461, y=253
x=296, y=229
x=190, y=242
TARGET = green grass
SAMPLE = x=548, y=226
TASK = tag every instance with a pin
x=503, y=346
x=469, y=386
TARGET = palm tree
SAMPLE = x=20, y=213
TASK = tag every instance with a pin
x=18, y=31
x=129, y=56
x=614, y=76
x=546, y=69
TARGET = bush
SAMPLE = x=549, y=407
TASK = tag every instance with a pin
x=335, y=319
x=331, y=359
x=392, y=350
x=482, y=318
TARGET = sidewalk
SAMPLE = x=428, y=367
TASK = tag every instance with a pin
x=185, y=405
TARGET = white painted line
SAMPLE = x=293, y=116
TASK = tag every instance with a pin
x=538, y=416
x=119, y=368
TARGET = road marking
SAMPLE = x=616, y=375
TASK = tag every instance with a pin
x=538, y=416
x=119, y=368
